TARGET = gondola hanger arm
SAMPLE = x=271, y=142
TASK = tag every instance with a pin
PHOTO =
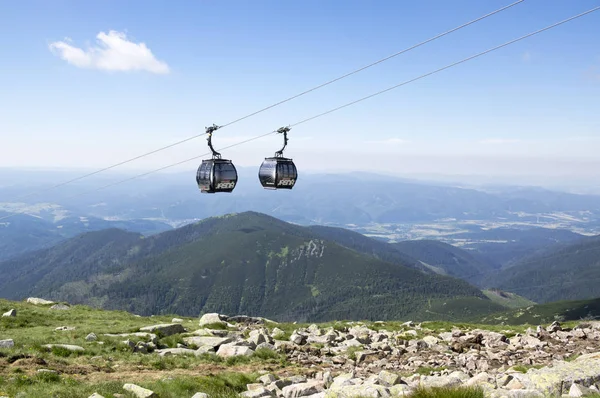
x=209, y=131
x=284, y=131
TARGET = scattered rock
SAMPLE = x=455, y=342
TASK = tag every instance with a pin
x=205, y=350
x=91, y=337
x=74, y=348
x=358, y=390
x=9, y=343
x=176, y=320
x=166, y=329
x=211, y=319
x=64, y=328
x=10, y=313
x=302, y=389
x=175, y=351
x=267, y=379
x=248, y=320
x=388, y=379
x=153, y=338
x=141, y=347
x=39, y=301
x=60, y=307
x=579, y=390
x=228, y=350
x=138, y=391
x=369, y=362
x=298, y=338
x=96, y=395
x=258, y=393
x=214, y=342
x=200, y=395
x=47, y=371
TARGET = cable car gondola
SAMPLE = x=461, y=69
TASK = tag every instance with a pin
x=216, y=174
x=278, y=172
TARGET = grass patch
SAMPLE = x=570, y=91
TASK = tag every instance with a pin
x=215, y=326
x=172, y=341
x=223, y=385
x=525, y=368
x=283, y=336
x=572, y=357
x=351, y=352
x=447, y=392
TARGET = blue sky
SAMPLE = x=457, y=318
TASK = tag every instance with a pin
x=530, y=106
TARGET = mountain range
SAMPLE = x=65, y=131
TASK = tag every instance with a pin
x=20, y=234
x=565, y=272
x=256, y=264
x=246, y=263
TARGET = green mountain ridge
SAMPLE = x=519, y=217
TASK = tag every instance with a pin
x=246, y=263
x=363, y=244
x=446, y=259
x=569, y=272
x=24, y=233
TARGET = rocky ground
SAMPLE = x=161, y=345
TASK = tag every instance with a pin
x=355, y=359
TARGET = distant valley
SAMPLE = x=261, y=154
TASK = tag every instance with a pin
x=387, y=208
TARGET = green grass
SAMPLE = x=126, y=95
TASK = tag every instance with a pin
x=351, y=352
x=508, y=300
x=50, y=385
x=35, y=326
x=570, y=312
x=427, y=370
x=572, y=358
x=447, y=392
x=525, y=368
x=215, y=326
x=172, y=341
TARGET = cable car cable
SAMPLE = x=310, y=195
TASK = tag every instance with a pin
x=270, y=106
x=343, y=106
x=376, y=62
x=446, y=67
x=146, y=173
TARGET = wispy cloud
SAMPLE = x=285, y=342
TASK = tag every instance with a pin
x=114, y=52
x=499, y=141
x=527, y=56
x=390, y=141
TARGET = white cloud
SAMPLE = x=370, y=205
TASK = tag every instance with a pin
x=527, y=56
x=390, y=141
x=113, y=52
x=499, y=141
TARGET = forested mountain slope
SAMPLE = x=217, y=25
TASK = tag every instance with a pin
x=567, y=273
x=247, y=263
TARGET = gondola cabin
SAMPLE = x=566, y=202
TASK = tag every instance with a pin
x=278, y=173
x=216, y=175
